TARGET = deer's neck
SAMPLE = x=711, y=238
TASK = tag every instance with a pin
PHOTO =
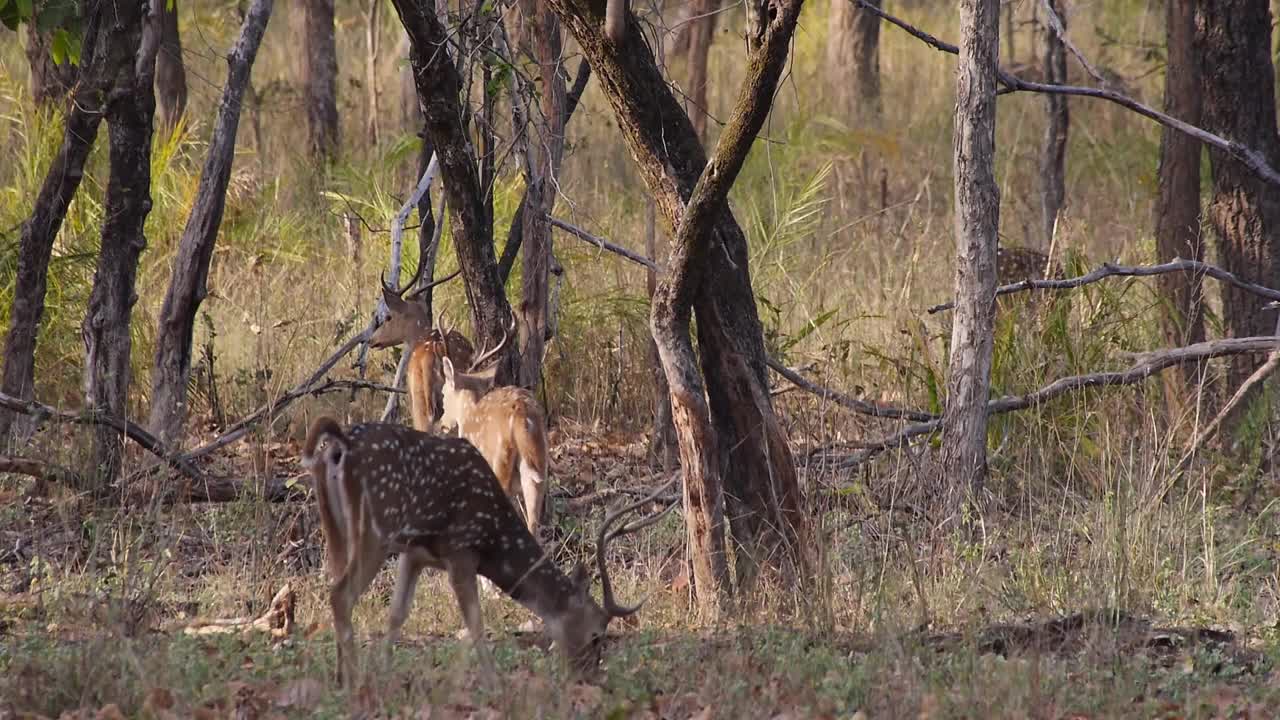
x=529, y=576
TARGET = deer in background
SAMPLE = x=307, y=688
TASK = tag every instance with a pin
x=507, y=425
x=384, y=488
x=409, y=324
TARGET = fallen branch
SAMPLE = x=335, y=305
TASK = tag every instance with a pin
x=1251, y=158
x=862, y=406
x=1145, y=366
x=1110, y=270
x=144, y=439
x=584, y=501
x=277, y=621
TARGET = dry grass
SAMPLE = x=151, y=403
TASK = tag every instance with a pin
x=94, y=602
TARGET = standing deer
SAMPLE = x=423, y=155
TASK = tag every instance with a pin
x=409, y=324
x=384, y=488
x=507, y=425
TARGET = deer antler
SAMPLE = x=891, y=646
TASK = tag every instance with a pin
x=475, y=364
x=611, y=605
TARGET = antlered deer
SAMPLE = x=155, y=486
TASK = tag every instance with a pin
x=383, y=488
x=508, y=426
x=409, y=324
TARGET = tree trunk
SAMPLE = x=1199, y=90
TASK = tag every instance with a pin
x=50, y=81
x=439, y=86
x=187, y=287
x=546, y=151
x=1053, y=155
x=371, y=71
x=853, y=59
x=320, y=77
x=1177, y=210
x=662, y=445
x=130, y=113
x=744, y=440
x=977, y=214
x=701, y=32
x=1238, y=92
x=427, y=251
x=171, y=74
x=99, y=62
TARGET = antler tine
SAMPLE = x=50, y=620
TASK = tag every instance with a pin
x=489, y=353
x=417, y=274
x=611, y=605
x=433, y=283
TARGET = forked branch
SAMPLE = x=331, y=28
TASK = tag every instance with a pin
x=1110, y=270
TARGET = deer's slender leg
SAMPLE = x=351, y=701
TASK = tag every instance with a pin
x=410, y=567
x=342, y=599
x=462, y=576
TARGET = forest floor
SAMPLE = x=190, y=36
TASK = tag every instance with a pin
x=107, y=614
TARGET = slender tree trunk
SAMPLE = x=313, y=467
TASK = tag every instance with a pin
x=1238, y=92
x=662, y=445
x=99, y=61
x=1177, y=211
x=1053, y=155
x=171, y=74
x=187, y=287
x=371, y=71
x=130, y=114
x=702, y=30
x=853, y=59
x=320, y=77
x=977, y=214
x=546, y=151
x=439, y=86
x=50, y=81
x=739, y=441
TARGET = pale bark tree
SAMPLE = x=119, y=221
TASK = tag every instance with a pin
x=319, y=65
x=1177, y=209
x=853, y=59
x=130, y=116
x=1053, y=154
x=187, y=288
x=977, y=213
x=1238, y=92
x=171, y=73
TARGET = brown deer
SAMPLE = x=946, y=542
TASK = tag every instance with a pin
x=384, y=488
x=409, y=324
x=506, y=423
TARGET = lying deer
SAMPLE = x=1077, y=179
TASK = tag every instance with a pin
x=384, y=488
x=409, y=324
x=506, y=423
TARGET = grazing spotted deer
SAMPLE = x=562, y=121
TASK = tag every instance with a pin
x=409, y=324
x=383, y=488
x=508, y=426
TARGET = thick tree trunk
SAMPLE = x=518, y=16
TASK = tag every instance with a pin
x=546, y=151
x=100, y=59
x=701, y=32
x=439, y=86
x=1238, y=91
x=50, y=81
x=853, y=59
x=320, y=77
x=187, y=288
x=130, y=114
x=1177, y=210
x=750, y=451
x=977, y=213
x=171, y=74
x=1053, y=154
x=662, y=445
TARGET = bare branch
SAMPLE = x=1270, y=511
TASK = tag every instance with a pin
x=144, y=439
x=1055, y=24
x=1109, y=270
x=1145, y=366
x=1251, y=158
x=603, y=244
x=861, y=406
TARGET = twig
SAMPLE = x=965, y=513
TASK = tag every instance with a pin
x=239, y=430
x=604, y=244
x=1145, y=366
x=862, y=406
x=39, y=469
x=1055, y=24
x=1251, y=158
x=1109, y=270
x=582, y=502
x=144, y=439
